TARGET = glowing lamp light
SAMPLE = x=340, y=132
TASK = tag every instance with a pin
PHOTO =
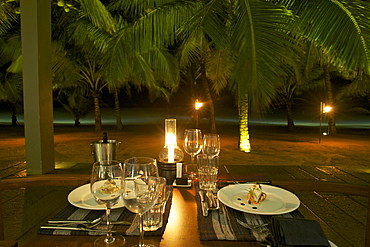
x=171, y=143
x=170, y=138
x=170, y=153
x=323, y=110
x=327, y=109
x=198, y=105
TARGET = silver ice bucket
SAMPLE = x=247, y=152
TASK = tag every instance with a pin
x=105, y=150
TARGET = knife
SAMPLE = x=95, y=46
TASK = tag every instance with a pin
x=204, y=204
x=70, y=222
x=73, y=229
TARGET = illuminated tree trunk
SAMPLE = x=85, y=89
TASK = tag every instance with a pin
x=118, y=110
x=329, y=92
x=244, y=141
x=97, y=113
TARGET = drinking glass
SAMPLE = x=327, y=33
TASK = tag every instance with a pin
x=153, y=219
x=207, y=169
x=140, y=188
x=106, y=187
x=192, y=145
x=211, y=145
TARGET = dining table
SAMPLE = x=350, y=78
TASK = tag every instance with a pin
x=180, y=230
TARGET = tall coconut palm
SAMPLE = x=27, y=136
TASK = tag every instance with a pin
x=74, y=102
x=107, y=36
x=11, y=90
x=305, y=73
x=250, y=31
x=260, y=35
x=197, y=54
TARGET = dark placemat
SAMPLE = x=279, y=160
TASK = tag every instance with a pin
x=222, y=225
x=120, y=214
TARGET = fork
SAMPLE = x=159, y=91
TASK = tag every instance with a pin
x=254, y=227
x=217, y=201
x=213, y=201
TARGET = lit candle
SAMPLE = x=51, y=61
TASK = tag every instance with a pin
x=170, y=135
x=171, y=141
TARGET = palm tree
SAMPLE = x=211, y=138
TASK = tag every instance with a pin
x=74, y=101
x=195, y=54
x=305, y=73
x=249, y=31
x=261, y=34
x=359, y=87
x=11, y=90
x=118, y=52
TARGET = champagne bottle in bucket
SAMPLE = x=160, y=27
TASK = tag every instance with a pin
x=105, y=149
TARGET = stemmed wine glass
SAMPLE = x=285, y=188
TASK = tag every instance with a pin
x=192, y=145
x=211, y=145
x=140, y=188
x=106, y=187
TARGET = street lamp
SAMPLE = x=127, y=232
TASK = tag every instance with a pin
x=323, y=109
x=197, y=106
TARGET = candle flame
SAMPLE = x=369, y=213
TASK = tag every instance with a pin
x=171, y=142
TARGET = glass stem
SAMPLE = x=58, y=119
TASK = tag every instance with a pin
x=109, y=239
x=141, y=230
x=192, y=163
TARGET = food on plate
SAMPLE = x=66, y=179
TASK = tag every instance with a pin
x=255, y=194
x=109, y=187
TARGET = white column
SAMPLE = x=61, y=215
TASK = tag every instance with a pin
x=37, y=86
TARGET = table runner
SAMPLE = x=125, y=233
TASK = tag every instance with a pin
x=119, y=214
x=223, y=226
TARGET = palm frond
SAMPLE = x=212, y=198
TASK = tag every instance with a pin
x=342, y=28
x=260, y=41
x=65, y=69
x=99, y=16
x=9, y=17
x=218, y=69
x=357, y=88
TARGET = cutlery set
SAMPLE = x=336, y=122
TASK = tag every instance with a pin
x=209, y=201
x=73, y=228
x=83, y=225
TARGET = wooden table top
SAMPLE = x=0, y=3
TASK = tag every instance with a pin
x=181, y=229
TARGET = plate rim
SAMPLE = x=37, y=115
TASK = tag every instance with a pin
x=222, y=190
x=84, y=190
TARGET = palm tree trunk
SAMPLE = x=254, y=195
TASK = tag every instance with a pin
x=13, y=111
x=212, y=118
x=118, y=110
x=289, y=116
x=244, y=141
x=97, y=114
x=77, y=122
x=329, y=91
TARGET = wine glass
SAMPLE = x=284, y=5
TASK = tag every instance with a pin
x=106, y=187
x=211, y=145
x=140, y=188
x=192, y=145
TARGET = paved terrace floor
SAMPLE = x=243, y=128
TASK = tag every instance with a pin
x=275, y=154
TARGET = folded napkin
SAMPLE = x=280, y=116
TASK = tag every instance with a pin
x=120, y=214
x=297, y=232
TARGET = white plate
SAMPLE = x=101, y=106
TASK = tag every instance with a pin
x=81, y=197
x=278, y=201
